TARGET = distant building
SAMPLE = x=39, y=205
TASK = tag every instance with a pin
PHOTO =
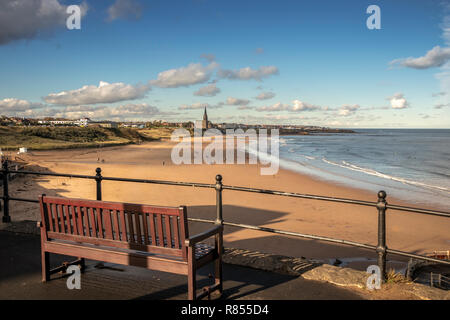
x=83, y=122
x=203, y=124
x=105, y=124
x=62, y=122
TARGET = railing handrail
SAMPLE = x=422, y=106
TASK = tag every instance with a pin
x=381, y=206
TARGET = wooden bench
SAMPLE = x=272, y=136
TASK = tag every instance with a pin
x=130, y=234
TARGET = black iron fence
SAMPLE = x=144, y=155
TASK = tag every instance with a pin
x=381, y=205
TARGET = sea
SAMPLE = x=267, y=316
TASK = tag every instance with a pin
x=409, y=164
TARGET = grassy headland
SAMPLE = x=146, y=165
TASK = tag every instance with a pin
x=45, y=138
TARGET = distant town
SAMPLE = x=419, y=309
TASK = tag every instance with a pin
x=200, y=124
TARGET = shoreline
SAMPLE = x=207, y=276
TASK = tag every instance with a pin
x=405, y=231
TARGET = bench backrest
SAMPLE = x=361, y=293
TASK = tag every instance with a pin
x=160, y=230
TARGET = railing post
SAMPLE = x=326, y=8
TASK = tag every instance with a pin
x=381, y=247
x=98, y=179
x=219, y=218
x=219, y=237
x=6, y=218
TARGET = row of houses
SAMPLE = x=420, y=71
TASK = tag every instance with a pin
x=86, y=122
x=80, y=122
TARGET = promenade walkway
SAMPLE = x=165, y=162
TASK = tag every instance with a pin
x=20, y=275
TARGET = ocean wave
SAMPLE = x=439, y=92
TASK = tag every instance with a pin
x=372, y=172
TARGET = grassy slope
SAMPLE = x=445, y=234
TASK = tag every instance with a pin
x=44, y=138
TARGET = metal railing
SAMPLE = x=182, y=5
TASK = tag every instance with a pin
x=381, y=205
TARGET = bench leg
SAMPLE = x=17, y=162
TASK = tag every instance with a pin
x=218, y=274
x=218, y=263
x=45, y=261
x=192, y=286
x=82, y=264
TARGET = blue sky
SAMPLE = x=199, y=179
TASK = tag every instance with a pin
x=313, y=62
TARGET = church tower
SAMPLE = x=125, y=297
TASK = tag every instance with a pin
x=205, y=122
x=205, y=116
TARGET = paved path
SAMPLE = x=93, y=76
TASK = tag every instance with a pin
x=20, y=279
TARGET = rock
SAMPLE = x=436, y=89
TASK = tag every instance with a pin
x=338, y=276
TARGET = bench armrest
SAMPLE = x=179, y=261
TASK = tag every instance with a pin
x=202, y=236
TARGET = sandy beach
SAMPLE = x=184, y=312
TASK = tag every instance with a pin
x=405, y=231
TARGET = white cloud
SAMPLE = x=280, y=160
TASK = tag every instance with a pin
x=11, y=105
x=303, y=106
x=435, y=57
x=237, y=102
x=441, y=105
x=248, y=73
x=134, y=109
x=398, y=101
x=347, y=110
x=245, y=108
x=208, y=56
x=207, y=91
x=185, y=76
x=104, y=93
x=124, y=9
x=123, y=112
x=198, y=105
x=297, y=106
x=265, y=96
x=275, y=107
x=27, y=19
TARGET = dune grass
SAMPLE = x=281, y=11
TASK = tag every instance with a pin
x=45, y=138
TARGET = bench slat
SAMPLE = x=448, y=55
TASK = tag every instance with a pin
x=55, y=214
x=160, y=230
x=57, y=221
x=176, y=232
x=67, y=217
x=49, y=216
x=123, y=235
x=98, y=218
x=74, y=221
x=130, y=226
x=137, y=221
x=145, y=227
x=62, y=219
x=168, y=231
x=151, y=217
x=77, y=211
x=92, y=223
x=115, y=244
x=115, y=221
x=107, y=223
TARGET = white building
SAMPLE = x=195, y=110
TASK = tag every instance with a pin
x=83, y=122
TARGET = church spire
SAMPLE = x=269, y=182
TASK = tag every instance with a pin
x=205, y=116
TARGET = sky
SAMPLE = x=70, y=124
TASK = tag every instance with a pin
x=255, y=62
